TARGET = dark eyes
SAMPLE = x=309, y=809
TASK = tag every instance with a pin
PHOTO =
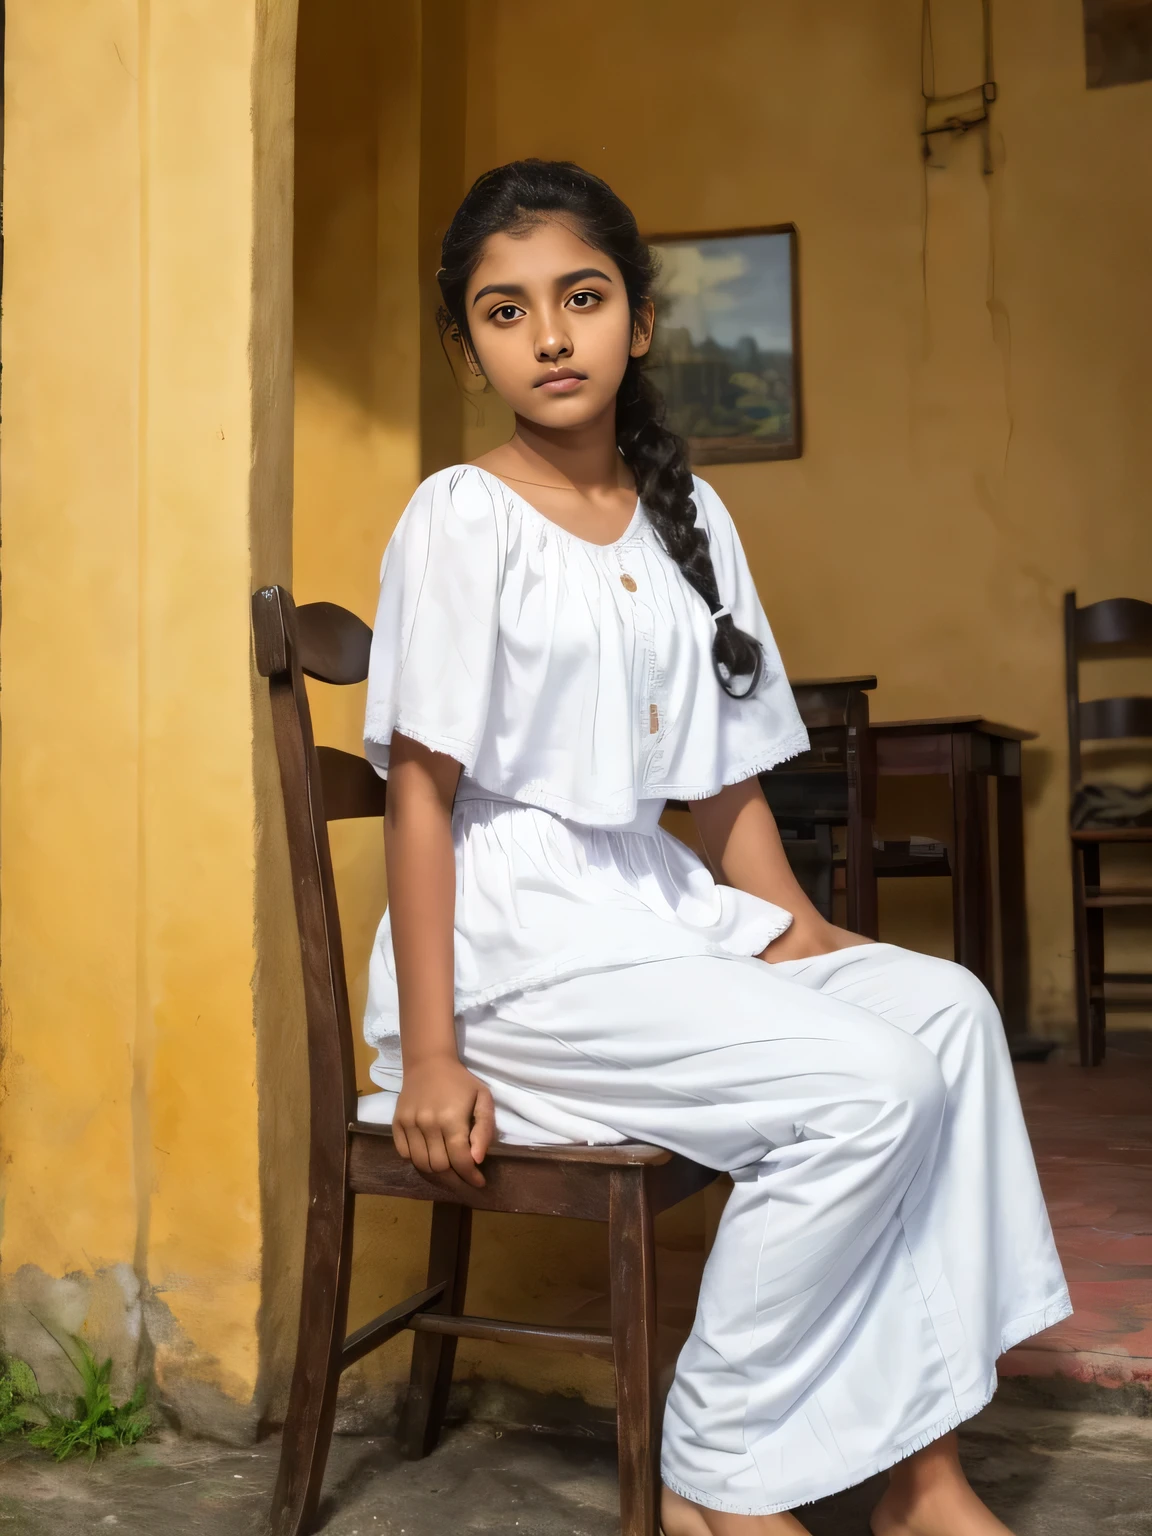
x=586, y=299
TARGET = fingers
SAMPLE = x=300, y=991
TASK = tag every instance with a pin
x=460, y=1152
x=483, y=1125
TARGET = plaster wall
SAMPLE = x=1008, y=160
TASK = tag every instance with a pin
x=976, y=349
x=147, y=407
x=975, y=357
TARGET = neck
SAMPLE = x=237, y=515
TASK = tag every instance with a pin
x=584, y=457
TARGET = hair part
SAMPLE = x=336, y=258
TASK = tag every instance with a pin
x=515, y=198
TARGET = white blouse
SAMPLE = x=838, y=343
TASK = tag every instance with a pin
x=574, y=684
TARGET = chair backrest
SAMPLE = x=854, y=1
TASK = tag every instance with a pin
x=320, y=785
x=1116, y=627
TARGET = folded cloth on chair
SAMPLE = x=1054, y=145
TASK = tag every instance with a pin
x=1108, y=806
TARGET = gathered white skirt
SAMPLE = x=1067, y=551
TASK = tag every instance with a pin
x=886, y=1238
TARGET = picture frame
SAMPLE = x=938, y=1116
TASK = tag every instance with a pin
x=726, y=352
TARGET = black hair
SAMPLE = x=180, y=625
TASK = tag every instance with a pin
x=512, y=199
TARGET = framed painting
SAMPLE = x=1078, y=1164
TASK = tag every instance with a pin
x=726, y=354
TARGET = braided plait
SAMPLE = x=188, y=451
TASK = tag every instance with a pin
x=512, y=198
x=658, y=458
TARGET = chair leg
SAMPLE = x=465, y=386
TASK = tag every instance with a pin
x=316, y=1376
x=1083, y=980
x=1094, y=930
x=632, y=1256
x=433, y=1354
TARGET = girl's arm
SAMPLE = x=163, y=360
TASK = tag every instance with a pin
x=743, y=845
x=444, y=1117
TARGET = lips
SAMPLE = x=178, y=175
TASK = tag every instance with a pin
x=560, y=381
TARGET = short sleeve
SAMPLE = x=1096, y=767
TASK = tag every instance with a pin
x=434, y=641
x=765, y=729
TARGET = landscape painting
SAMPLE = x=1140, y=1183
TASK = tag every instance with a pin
x=726, y=351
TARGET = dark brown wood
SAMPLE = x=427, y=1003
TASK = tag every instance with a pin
x=969, y=750
x=334, y=644
x=328, y=1243
x=316, y=1375
x=1112, y=835
x=434, y=1354
x=863, y=914
x=387, y=1325
x=1015, y=981
x=1072, y=692
x=1114, y=627
x=576, y=1341
x=631, y=1256
x=1115, y=719
x=622, y=1185
x=1094, y=932
x=953, y=725
x=865, y=680
x=832, y=784
x=1084, y=1006
x=350, y=786
x=971, y=869
x=614, y=1154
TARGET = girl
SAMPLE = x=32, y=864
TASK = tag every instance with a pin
x=568, y=636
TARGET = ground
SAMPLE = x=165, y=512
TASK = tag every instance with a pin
x=1047, y=1473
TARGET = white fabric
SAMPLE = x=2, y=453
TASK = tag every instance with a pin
x=515, y=647
x=576, y=708
x=886, y=1238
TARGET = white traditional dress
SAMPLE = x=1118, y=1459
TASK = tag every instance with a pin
x=886, y=1238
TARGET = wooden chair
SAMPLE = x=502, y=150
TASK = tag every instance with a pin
x=624, y=1185
x=1116, y=627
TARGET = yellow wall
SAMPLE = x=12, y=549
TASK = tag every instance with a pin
x=967, y=442
x=977, y=350
x=145, y=465
x=975, y=445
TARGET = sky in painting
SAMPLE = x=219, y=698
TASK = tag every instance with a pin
x=730, y=287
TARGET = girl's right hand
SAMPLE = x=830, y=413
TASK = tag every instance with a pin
x=445, y=1119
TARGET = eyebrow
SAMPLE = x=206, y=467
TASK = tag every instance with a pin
x=516, y=290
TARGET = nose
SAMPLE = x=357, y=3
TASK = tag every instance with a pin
x=552, y=339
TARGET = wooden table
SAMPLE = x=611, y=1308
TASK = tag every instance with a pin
x=970, y=751
x=836, y=781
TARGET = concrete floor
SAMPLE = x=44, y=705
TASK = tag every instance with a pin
x=1046, y=1473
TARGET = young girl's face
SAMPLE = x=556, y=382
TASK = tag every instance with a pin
x=551, y=326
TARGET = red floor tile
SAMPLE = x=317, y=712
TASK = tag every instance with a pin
x=1092, y=1132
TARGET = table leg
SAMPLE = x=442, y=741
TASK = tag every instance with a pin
x=1013, y=909
x=971, y=882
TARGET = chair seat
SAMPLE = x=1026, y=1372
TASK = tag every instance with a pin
x=563, y=1180
x=374, y=1113
x=1112, y=834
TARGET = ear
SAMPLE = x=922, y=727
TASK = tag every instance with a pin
x=461, y=357
x=642, y=329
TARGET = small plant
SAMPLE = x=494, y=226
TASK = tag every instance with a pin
x=19, y=1398
x=97, y=1421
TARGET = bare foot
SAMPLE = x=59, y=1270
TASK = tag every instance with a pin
x=928, y=1495
x=679, y=1517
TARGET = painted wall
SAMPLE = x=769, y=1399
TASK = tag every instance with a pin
x=974, y=349
x=977, y=350
x=976, y=356
x=145, y=466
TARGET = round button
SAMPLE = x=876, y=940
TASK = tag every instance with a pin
x=627, y=583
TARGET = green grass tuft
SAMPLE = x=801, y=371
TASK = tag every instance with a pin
x=96, y=1422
